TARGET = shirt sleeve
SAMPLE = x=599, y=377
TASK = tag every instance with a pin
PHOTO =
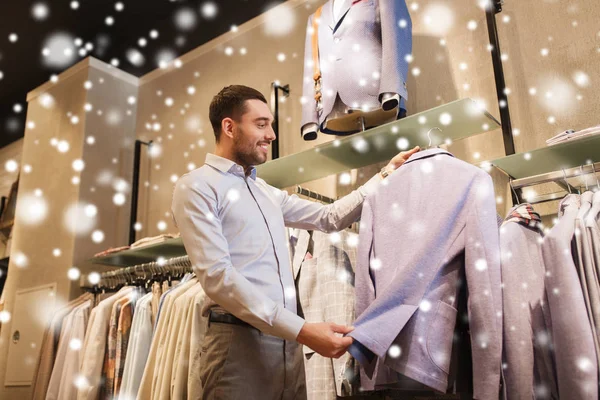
x=311, y=215
x=195, y=213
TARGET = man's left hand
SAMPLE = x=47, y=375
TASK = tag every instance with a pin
x=401, y=158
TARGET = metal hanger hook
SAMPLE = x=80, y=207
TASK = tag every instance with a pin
x=584, y=178
x=597, y=181
x=513, y=189
x=566, y=181
x=429, y=135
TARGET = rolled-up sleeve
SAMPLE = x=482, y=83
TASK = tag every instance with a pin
x=195, y=212
x=311, y=215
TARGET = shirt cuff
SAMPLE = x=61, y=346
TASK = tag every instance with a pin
x=311, y=127
x=288, y=325
x=371, y=185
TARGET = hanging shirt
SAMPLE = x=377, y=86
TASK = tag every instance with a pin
x=138, y=349
x=233, y=229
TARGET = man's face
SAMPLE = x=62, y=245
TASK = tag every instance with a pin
x=253, y=134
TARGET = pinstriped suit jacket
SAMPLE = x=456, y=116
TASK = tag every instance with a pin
x=362, y=55
x=326, y=293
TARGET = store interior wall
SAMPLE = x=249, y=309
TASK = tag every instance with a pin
x=449, y=62
x=61, y=204
x=185, y=135
x=12, y=152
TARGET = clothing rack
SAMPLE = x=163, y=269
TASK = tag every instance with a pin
x=543, y=198
x=313, y=195
x=558, y=177
x=142, y=274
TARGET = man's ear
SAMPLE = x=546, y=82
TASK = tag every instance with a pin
x=227, y=127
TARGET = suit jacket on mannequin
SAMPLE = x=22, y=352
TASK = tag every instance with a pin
x=362, y=57
x=431, y=226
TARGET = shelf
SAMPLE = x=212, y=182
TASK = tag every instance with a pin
x=458, y=120
x=168, y=249
x=552, y=158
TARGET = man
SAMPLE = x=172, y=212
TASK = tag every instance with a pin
x=233, y=227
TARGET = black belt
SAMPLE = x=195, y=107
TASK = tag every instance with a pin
x=224, y=318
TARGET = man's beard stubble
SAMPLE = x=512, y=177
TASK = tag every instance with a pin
x=244, y=151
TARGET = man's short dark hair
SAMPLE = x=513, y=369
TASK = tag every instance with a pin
x=230, y=102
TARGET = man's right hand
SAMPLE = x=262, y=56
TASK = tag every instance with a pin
x=322, y=338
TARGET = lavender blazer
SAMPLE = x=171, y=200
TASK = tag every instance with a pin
x=527, y=341
x=429, y=227
x=576, y=365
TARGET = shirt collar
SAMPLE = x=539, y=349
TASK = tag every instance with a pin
x=227, y=166
x=524, y=214
x=571, y=202
x=428, y=153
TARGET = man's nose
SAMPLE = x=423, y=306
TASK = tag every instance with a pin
x=271, y=134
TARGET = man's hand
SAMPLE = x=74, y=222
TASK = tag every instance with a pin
x=401, y=158
x=322, y=338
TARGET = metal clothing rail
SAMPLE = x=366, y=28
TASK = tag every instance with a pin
x=313, y=195
x=558, y=177
x=138, y=274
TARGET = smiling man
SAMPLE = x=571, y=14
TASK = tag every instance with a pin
x=233, y=227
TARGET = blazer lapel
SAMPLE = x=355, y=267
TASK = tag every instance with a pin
x=300, y=252
x=327, y=14
x=343, y=12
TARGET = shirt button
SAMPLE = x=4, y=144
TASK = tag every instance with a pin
x=337, y=40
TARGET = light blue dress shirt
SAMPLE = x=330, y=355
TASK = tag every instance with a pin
x=233, y=229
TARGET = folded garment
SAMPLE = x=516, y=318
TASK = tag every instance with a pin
x=110, y=251
x=570, y=134
x=147, y=241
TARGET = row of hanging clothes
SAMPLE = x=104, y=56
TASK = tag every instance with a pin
x=551, y=294
x=134, y=335
x=141, y=337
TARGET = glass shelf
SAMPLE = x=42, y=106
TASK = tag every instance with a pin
x=457, y=120
x=552, y=158
x=170, y=248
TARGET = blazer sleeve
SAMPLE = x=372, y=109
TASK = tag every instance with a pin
x=363, y=284
x=364, y=288
x=396, y=42
x=484, y=306
x=309, y=109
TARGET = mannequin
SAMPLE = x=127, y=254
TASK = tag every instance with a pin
x=360, y=62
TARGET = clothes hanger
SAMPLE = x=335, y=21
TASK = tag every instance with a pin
x=597, y=180
x=429, y=136
x=584, y=178
x=595, y=211
x=514, y=192
x=566, y=182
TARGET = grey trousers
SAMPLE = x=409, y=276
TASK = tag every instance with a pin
x=239, y=362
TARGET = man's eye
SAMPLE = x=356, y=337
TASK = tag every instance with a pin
x=261, y=126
